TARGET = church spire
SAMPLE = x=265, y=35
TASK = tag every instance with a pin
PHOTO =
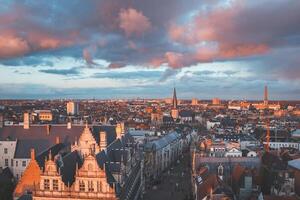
x=174, y=99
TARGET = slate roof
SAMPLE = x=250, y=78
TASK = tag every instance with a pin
x=186, y=113
x=6, y=176
x=25, y=145
x=44, y=155
x=295, y=163
x=56, y=130
x=161, y=142
x=25, y=197
x=110, y=133
x=68, y=169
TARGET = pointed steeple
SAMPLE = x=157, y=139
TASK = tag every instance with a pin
x=174, y=99
x=266, y=99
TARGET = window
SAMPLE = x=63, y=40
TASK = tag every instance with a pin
x=55, y=185
x=91, y=186
x=12, y=162
x=6, y=162
x=23, y=163
x=81, y=186
x=5, y=150
x=46, y=184
x=17, y=163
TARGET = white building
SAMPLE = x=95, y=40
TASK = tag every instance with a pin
x=72, y=108
x=278, y=145
x=7, y=152
x=233, y=153
x=212, y=123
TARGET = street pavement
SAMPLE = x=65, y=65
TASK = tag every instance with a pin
x=175, y=183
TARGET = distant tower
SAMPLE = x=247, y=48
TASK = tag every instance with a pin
x=174, y=99
x=266, y=101
x=118, y=131
x=174, y=111
x=194, y=102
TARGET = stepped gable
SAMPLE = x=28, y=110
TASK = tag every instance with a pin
x=30, y=178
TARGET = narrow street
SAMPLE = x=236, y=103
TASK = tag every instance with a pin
x=175, y=183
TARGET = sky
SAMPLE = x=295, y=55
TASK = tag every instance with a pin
x=115, y=49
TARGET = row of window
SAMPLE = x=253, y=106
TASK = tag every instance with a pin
x=283, y=145
x=12, y=163
x=54, y=185
x=82, y=185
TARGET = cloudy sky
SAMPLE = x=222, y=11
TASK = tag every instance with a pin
x=143, y=48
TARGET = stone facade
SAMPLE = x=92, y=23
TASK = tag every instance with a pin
x=90, y=183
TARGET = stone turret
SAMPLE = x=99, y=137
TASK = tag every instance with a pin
x=118, y=131
x=103, y=140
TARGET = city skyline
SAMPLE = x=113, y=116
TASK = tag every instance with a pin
x=112, y=49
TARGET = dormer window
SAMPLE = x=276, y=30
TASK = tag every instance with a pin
x=55, y=185
x=46, y=184
x=91, y=186
x=81, y=186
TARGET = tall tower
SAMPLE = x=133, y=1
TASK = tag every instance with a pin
x=266, y=101
x=174, y=111
x=174, y=99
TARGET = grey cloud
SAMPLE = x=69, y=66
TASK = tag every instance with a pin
x=65, y=72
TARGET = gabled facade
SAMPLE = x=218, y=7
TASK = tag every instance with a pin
x=90, y=183
x=86, y=143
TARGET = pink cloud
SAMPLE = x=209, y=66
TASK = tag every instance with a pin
x=220, y=26
x=133, y=22
x=11, y=46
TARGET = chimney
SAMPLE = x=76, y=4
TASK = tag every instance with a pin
x=103, y=141
x=48, y=127
x=26, y=122
x=32, y=154
x=118, y=131
x=57, y=140
x=69, y=125
x=1, y=120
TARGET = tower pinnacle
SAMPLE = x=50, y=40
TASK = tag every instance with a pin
x=174, y=99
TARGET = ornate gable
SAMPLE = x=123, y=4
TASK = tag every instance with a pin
x=86, y=143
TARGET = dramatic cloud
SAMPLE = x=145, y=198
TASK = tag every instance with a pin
x=11, y=46
x=133, y=22
x=260, y=36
